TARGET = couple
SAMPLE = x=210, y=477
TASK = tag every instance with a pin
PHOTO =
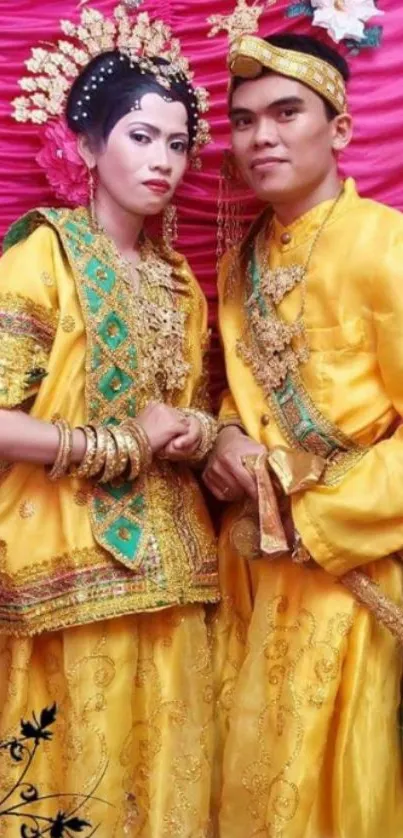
x=282, y=710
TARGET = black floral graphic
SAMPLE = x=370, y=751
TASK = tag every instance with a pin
x=19, y=801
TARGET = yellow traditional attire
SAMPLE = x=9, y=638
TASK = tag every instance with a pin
x=309, y=681
x=102, y=588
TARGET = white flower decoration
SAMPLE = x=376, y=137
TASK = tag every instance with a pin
x=344, y=18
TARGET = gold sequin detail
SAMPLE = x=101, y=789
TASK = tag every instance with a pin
x=82, y=497
x=27, y=509
x=368, y=592
x=3, y=549
x=27, y=331
x=47, y=279
x=68, y=323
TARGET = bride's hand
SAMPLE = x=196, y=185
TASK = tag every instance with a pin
x=162, y=424
x=185, y=445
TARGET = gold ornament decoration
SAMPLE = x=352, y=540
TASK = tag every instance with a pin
x=53, y=69
x=229, y=215
x=271, y=346
x=27, y=509
x=244, y=19
x=170, y=226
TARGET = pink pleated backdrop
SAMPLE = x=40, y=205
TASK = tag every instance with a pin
x=376, y=93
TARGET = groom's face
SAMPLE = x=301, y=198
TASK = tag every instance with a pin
x=282, y=137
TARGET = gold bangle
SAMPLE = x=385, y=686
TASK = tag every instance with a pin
x=84, y=468
x=100, y=454
x=134, y=455
x=63, y=456
x=111, y=457
x=209, y=433
x=143, y=442
x=121, y=448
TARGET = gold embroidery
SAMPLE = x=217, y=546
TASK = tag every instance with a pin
x=27, y=330
x=302, y=661
x=47, y=279
x=157, y=317
x=68, y=323
x=82, y=497
x=27, y=509
x=89, y=585
x=350, y=453
x=368, y=592
x=93, y=674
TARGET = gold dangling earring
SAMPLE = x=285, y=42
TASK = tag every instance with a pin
x=169, y=226
x=229, y=225
x=91, y=187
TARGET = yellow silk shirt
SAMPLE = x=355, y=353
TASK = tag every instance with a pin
x=308, y=681
x=354, y=324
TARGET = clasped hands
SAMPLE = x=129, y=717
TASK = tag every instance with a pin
x=228, y=478
x=172, y=434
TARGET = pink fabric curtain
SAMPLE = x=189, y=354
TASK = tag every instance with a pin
x=376, y=93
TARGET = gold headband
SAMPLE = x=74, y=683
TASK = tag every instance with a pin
x=249, y=54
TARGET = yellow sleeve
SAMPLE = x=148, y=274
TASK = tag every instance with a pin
x=28, y=316
x=361, y=519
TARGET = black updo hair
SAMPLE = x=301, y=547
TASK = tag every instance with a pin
x=111, y=85
x=309, y=46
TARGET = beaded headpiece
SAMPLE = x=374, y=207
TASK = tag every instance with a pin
x=53, y=69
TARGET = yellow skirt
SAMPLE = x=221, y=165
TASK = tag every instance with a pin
x=131, y=745
x=308, y=689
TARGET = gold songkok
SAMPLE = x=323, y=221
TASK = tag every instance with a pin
x=249, y=55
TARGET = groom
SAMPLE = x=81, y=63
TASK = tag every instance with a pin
x=311, y=317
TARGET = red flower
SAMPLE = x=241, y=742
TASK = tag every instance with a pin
x=63, y=166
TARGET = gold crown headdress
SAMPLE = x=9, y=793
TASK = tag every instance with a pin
x=54, y=69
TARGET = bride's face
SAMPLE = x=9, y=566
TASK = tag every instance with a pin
x=145, y=156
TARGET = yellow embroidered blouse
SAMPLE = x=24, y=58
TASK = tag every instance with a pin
x=354, y=375
x=77, y=343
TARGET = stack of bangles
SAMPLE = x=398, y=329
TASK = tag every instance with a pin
x=111, y=452
x=209, y=433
